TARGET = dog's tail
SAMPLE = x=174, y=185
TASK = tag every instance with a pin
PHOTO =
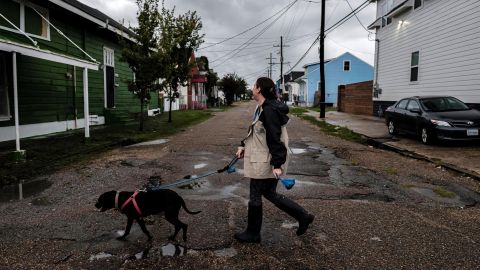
x=188, y=211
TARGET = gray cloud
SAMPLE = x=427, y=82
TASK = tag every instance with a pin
x=222, y=19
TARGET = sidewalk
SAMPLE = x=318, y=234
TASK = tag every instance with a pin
x=463, y=158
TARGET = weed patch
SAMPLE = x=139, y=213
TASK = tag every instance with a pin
x=443, y=193
x=391, y=171
x=330, y=129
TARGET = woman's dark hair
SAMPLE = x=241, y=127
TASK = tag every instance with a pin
x=267, y=87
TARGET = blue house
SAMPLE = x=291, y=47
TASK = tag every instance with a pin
x=344, y=69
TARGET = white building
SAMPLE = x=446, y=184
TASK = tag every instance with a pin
x=426, y=47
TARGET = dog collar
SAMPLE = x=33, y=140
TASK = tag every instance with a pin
x=116, y=200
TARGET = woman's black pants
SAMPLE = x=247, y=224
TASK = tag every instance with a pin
x=268, y=189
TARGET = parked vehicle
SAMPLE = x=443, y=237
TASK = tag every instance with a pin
x=433, y=117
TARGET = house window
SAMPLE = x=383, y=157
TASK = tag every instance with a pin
x=24, y=16
x=386, y=7
x=417, y=4
x=10, y=10
x=414, y=67
x=346, y=65
x=4, y=103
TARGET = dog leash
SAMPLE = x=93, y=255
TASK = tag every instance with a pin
x=187, y=179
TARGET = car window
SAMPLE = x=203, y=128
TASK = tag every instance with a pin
x=441, y=104
x=402, y=104
x=455, y=104
x=413, y=104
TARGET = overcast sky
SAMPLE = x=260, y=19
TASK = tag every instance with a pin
x=299, y=26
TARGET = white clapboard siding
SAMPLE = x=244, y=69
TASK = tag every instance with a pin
x=447, y=35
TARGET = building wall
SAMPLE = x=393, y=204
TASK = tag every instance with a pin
x=446, y=35
x=335, y=76
x=48, y=91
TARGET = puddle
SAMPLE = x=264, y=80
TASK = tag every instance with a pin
x=141, y=255
x=101, y=255
x=155, y=142
x=226, y=252
x=298, y=151
x=315, y=147
x=309, y=183
x=289, y=225
x=21, y=191
x=173, y=250
x=199, y=166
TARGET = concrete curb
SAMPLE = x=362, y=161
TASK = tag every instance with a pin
x=378, y=144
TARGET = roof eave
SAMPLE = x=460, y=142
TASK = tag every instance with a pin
x=91, y=18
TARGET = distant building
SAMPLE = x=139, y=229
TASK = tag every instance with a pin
x=344, y=69
x=291, y=87
x=426, y=48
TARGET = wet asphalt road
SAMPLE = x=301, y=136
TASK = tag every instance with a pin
x=374, y=209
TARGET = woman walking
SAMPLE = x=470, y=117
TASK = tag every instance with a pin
x=266, y=158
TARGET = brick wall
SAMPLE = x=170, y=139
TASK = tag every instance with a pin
x=356, y=98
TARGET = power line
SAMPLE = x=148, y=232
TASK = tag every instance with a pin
x=331, y=28
x=253, y=27
x=248, y=42
x=358, y=19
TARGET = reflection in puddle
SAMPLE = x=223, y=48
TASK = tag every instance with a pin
x=101, y=255
x=297, y=151
x=199, y=166
x=226, y=252
x=155, y=142
x=173, y=250
x=23, y=190
x=289, y=225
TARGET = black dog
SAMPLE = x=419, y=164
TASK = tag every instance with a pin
x=136, y=205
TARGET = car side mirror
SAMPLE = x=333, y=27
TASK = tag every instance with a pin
x=415, y=110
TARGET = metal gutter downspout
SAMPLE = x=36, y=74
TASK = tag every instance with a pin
x=15, y=101
x=375, y=85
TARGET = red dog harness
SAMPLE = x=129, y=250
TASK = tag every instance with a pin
x=131, y=199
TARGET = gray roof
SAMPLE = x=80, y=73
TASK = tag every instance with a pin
x=99, y=15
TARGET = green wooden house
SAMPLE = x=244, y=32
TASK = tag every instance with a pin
x=59, y=61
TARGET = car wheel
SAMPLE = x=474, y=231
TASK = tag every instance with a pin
x=426, y=136
x=392, y=129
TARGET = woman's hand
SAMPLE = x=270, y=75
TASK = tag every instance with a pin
x=240, y=153
x=277, y=172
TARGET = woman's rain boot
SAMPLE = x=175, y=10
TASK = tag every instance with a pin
x=252, y=233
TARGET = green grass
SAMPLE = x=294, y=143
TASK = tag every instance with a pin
x=330, y=129
x=444, y=193
x=327, y=109
x=297, y=110
x=391, y=171
x=408, y=185
x=45, y=155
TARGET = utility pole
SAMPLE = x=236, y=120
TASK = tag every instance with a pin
x=322, y=60
x=270, y=65
x=281, y=62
